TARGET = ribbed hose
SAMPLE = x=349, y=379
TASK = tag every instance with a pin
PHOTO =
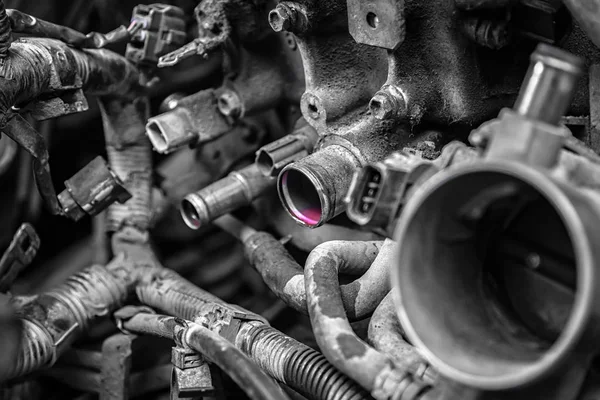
x=175, y=295
x=297, y=365
x=5, y=31
x=92, y=293
x=36, y=350
x=53, y=320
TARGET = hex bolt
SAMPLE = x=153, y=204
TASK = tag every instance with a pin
x=388, y=103
x=230, y=104
x=286, y=17
x=170, y=102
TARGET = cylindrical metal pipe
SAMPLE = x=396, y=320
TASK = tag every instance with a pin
x=236, y=190
x=312, y=190
x=549, y=85
x=526, y=310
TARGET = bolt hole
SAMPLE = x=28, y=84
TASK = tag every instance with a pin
x=372, y=20
x=26, y=244
x=313, y=110
x=216, y=154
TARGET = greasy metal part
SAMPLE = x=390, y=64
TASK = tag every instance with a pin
x=273, y=157
x=296, y=364
x=377, y=23
x=162, y=30
x=115, y=368
x=312, y=190
x=519, y=224
x=386, y=335
x=93, y=189
x=388, y=103
x=550, y=84
x=374, y=371
x=20, y=253
x=236, y=190
x=193, y=121
x=287, y=17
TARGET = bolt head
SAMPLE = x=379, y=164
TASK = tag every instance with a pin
x=280, y=19
x=382, y=106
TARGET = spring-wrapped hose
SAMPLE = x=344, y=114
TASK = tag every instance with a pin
x=295, y=364
x=52, y=320
x=5, y=31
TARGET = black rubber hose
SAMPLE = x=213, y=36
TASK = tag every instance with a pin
x=234, y=363
x=249, y=377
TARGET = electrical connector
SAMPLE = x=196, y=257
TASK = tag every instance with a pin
x=92, y=190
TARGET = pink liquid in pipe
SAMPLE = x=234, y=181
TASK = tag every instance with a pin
x=310, y=216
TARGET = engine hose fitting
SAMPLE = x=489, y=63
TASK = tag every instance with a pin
x=295, y=364
x=312, y=190
x=236, y=190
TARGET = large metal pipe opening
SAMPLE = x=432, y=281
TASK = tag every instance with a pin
x=312, y=190
x=497, y=273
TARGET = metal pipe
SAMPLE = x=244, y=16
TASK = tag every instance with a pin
x=374, y=371
x=549, y=85
x=236, y=190
x=312, y=190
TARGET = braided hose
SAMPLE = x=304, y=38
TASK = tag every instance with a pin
x=5, y=31
x=297, y=365
x=36, y=350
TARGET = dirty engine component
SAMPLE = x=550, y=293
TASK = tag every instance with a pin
x=288, y=200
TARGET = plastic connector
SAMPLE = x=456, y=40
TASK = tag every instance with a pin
x=163, y=30
x=92, y=190
x=186, y=124
x=275, y=156
x=378, y=190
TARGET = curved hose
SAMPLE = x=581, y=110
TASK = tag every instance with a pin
x=386, y=335
x=373, y=370
x=285, y=278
